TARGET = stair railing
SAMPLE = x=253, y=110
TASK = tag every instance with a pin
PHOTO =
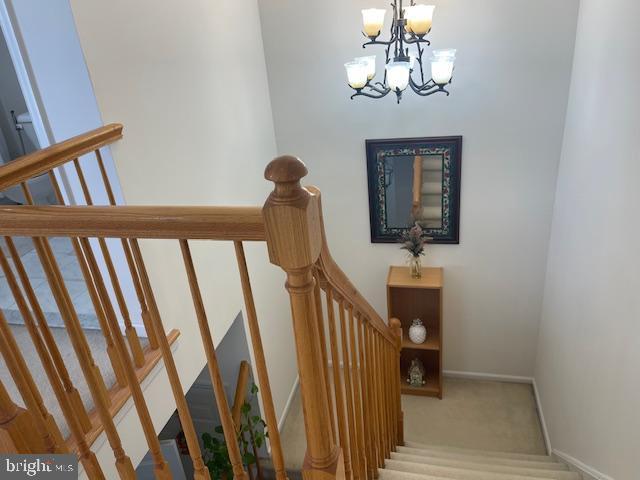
x=348, y=374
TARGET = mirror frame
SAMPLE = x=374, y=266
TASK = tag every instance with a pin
x=451, y=148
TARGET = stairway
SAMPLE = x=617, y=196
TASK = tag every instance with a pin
x=424, y=462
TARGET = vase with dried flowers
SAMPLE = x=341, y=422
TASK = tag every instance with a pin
x=414, y=241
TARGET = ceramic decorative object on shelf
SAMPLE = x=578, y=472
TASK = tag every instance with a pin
x=416, y=374
x=417, y=331
x=414, y=242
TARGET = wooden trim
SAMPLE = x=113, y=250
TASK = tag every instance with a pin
x=39, y=162
x=197, y=223
x=120, y=395
x=241, y=393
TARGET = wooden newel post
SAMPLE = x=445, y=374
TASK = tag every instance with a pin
x=294, y=239
x=396, y=327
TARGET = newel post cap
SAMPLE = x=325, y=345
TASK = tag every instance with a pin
x=285, y=169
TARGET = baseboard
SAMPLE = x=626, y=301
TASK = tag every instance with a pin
x=543, y=422
x=589, y=473
x=487, y=376
x=287, y=406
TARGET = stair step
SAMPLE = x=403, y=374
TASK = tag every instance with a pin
x=468, y=470
x=396, y=475
x=480, y=453
x=428, y=457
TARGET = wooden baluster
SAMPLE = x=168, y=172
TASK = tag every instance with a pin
x=130, y=332
x=381, y=393
x=72, y=394
x=357, y=400
x=384, y=411
x=67, y=310
x=17, y=431
x=116, y=365
x=376, y=398
x=393, y=408
x=346, y=372
x=201, y=472
x=23, y=380
x=294, y=241
x=384, y=392
x=372, y=465
x=153, y=341
x=396, y=327
x=32, y=329
x=72, y=416
x=91, y=373
x=343, y=430
x=212, y=363
x=161, y=468
x=261, y=366
x=323, y=350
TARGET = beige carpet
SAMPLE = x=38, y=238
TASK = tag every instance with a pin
x=473, y=414
x=98, y=349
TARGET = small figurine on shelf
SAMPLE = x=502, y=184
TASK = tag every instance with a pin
x=417, y=331
x=416, y=374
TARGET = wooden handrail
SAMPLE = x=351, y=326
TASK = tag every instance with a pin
x=28, y=166
x=334, y=276
x=197, y=223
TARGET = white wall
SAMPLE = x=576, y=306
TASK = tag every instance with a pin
x=188, y=81
x=589, y=347
x=10, y=99
x=508, y=101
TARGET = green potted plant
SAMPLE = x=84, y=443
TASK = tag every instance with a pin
x=251, y=435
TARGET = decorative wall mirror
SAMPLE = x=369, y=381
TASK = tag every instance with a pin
x=414, y=180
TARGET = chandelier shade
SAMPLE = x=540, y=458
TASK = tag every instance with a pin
x=404, y=55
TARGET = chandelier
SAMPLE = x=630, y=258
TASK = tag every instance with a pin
x=403, y=52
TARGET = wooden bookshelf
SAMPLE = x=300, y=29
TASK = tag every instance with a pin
x=409, y=298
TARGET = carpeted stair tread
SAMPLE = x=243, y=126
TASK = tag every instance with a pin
x=481, y=453
x=427, y=457
x=384, y=474
x=455, y=469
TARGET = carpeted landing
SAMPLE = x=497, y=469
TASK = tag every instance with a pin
x=480, y=430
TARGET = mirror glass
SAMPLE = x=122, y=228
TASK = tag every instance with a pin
x=413, y=190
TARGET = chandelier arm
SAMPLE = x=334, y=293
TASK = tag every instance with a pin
x=413, y=39
x=391, y=41
x=425, y=86
x=366, y=94
x=425, y=91
x=383, y=89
